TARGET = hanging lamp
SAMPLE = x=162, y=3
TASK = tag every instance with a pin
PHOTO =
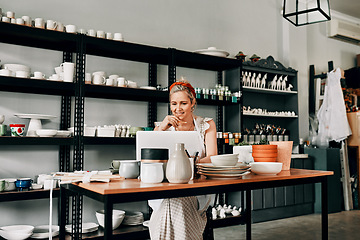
x=304, y=12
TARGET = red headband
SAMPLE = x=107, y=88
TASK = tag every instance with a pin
x=188, y=85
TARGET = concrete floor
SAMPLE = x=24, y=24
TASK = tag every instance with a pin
x=342, y=226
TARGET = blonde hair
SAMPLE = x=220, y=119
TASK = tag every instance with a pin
x=179, y=88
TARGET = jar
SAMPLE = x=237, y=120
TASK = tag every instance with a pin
x=205, y=93
x=155, y=155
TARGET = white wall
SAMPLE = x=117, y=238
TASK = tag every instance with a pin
x=247, y=25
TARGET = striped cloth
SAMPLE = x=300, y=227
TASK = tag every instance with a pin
x=178, y=219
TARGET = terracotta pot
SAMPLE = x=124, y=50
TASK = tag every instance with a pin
x=265, y=159
x=264, y=154
x=266, y=151
x=284, y=153
x=263, y=147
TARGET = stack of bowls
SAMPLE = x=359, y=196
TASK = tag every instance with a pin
x=264, y=153
x=16, y=232
x=225, y=159
x=133, y=218
x=17, y=67
x=117, y=218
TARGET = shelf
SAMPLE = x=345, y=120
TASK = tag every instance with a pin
x=26, y=85
x=123, y=232
x=126, y=50
x=266, y=90
x=204, y=62
x=36, y=37
x=267, y=70
x=228, y=221
x=28, y=195
x=7, y=140
x=109, y=141
x=122, y=93
x=265, y=116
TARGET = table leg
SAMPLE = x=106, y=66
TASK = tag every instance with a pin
x=248, y=214
x=108, y=208
x=324, y=209
x=62, y=212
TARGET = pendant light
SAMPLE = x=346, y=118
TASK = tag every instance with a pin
x=303, y=12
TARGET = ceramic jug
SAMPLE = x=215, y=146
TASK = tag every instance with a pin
x=178, y=169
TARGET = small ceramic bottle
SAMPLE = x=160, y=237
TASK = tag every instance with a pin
x=178, y=169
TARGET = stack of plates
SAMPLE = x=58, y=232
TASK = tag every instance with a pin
x=133, y=218
x=86, y=227
x=223, y=172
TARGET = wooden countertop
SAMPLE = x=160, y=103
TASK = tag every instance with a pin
x=136, y=186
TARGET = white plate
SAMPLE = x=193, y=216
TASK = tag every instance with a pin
x=213, y=52
x=37, y=78
x=63, y=133
x=34, y=116
x=86, y=227
x=211, y=166
x=224, y=176
x=42, y=232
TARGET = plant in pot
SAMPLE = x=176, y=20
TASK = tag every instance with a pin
x=244, y=150
x=264, y=152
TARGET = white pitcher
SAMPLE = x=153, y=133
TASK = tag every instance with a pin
x=178, y=169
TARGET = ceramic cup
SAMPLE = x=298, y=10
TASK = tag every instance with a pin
x=54, y=77
x=91, y=33
x=100, y=34
x=109, y=82
x=129, y=169
x=60, y=27
x=152, y=172
x=115, y=164
x=39, y=75
x=82, y=31
x=22, y=74
x=51, y=24
x=118, y=37
x=49, y=183
x=39, y=23
x=27, y=20
x=88, y=78
x=109, y=35
x=102, y=73
x=5, y=19
x=3, y=129
x=69, y=69
x=17, y=130
x=121, y=82
x=10, y=14
x=58, y=70
x=20, y=21
x=70, y=28
x=98, y=79
x=23, y=183
x=3, y=185
x=10, y=184
x=5, y=72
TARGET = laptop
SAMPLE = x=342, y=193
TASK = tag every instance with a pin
x=167, y=139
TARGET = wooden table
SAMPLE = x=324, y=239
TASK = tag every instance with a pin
x=134, y=190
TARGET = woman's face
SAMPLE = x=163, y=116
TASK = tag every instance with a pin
x=180, y=104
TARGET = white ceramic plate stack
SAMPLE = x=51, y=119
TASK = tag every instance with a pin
x=42, y=232
x=46, y=132
x=17, y=67
x=86, y=227
x=213, y=52
x=223, y=172
x=133, y=218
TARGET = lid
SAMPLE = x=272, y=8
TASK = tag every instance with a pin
x=154, y=154
x=17, y=125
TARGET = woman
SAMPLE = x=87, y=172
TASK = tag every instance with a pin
x=180, y=218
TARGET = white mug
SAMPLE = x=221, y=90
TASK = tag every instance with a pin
x=70, y=28
x=152, y=172
x=22, y=74
x=51, y=24
x=100, y=34
x=39, y=75
x=131, y=84
x=69, y=69
x=10, y=14
x=20, y=21
x=58, y=70
x=109, y=35
x=82, y=31
x=42, y=177
x=39, y=23
x=12, y=20
x=60, y=27
x=118, y=37
x=114, y=77
x=27, y=20
x=109, y=82
x=98, y=79
x=121, y=82
x=91, y=33
x=88, y=78
x=5, y=72
x=5, y=19
x=55, y=77
x=47, y=184
x=102, y=73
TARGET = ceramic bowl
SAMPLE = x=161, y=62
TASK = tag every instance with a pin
x=18, y=228
x=225, y=159
x=15, y=235
x=42, y=232
x=63, y=133
x=266, y=168
x=117, y=218
x=23, y=183
x=46, y=132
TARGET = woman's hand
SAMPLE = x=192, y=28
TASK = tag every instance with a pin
x=169, y=121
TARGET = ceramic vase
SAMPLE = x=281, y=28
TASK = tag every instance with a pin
x=178, y=169
x=264, y=153
x=284, y=153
